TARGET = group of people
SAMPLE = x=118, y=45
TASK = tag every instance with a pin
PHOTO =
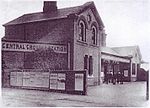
x=113, y=78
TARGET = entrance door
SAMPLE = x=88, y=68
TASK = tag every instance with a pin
x=105, y=73
x=90, y=65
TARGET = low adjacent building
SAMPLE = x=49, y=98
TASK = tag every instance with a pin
x=134, y=52
x=114, y=64
x=115, y=59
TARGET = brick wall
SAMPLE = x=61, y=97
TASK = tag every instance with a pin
x=87, y=48
x=54, y=31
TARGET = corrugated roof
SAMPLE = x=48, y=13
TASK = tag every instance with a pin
x=60, y=13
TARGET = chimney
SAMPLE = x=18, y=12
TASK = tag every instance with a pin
x=49, y=6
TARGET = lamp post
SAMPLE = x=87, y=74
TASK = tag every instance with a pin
x=147, y=86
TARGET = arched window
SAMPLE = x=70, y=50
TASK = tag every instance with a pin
x=94, y=35
x=82, y=31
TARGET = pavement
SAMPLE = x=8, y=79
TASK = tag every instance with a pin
x=129, y=94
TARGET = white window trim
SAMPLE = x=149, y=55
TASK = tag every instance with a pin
x=95, y=38
x=84, y=31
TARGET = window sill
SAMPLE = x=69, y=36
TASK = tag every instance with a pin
x=133, y=74
x=93, y=45
x=90, y=76
x=82, y=42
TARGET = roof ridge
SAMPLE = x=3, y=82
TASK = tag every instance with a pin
x=57, y=9
x=125, y=46
x=111, y=49
x=60, y=13
x=32, y=13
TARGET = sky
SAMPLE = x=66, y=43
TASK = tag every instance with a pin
x=127, y=22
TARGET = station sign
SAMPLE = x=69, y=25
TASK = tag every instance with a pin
x=30, y=47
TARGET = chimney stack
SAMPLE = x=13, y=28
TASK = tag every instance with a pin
x=49, y=6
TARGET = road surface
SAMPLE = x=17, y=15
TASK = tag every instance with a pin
x=130, y=94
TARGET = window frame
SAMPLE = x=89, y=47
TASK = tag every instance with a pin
x=90, y=73
x=82, y=31
x=133, y=69
x=94, y=35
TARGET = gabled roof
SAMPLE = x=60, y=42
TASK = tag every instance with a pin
x=60, y=13
x=110, y=54
x=127, y=50
x=109, y=51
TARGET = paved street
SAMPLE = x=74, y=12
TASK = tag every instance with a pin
x=129, y=94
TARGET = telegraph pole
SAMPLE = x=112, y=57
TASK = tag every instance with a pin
x=147, y=86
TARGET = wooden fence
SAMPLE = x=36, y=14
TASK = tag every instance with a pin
x=65, y=81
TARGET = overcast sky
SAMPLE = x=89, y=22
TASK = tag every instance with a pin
x=127, y=22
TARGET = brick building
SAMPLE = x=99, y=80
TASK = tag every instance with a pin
x=76, y=31
x=59, y=39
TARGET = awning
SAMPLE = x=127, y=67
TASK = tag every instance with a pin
x=114, y=58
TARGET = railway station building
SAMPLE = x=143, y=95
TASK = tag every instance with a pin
x=64, y=39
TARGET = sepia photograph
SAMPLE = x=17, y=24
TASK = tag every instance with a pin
x=75, y=53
